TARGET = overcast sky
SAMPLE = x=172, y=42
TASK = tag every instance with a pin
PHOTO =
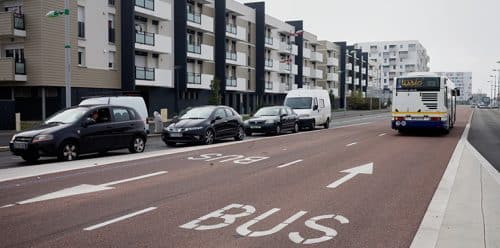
x=460, y=35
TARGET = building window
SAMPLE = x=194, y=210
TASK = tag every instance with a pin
x=81, y=56
x=111, y=28
x=111, y=2
x=111, y=62
x=81, y=22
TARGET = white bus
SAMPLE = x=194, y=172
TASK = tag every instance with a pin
x=424, y=100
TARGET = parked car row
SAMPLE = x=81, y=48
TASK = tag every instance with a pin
x=102, y=124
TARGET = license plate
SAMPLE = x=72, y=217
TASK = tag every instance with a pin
x=175, y=135
x=254, y=127
x=20, y=145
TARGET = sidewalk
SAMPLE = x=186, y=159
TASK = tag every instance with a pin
x=465, y=209
x=472, y=218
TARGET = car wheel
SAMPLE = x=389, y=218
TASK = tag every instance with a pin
x=31, y=158
x=296, y=128
x=277, y=131
x=209, y=137
x=138, y=145
x=171, y=144
x=240, y=135
x=313, y=125
x=68, y=151
x=327, y=124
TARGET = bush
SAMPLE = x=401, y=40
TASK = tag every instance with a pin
x=215, y=98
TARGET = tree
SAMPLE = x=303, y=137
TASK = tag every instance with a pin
x=215, y=98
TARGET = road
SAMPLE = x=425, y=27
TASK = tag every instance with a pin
x=155, y=143
x=484, y=134
x=280, y=191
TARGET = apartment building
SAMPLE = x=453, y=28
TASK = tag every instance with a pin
x=330, y=67
x=396, y=57
x=463, y=81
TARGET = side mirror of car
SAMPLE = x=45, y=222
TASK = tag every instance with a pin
x=315, y=107
x=88, y=122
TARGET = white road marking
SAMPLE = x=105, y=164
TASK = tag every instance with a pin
x=291, y=163
x=7, y=206
x=134, y=178
x=354, y=143
x=4, y=147
x=90, y=228
x=382, y=134
x=84, y=189
x=363, y=169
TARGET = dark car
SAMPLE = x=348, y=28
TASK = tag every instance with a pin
x=272, y=120
x=82, y=130
x=204, y=125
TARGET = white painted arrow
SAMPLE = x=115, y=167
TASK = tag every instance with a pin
x=82, y=189
x=363, y=169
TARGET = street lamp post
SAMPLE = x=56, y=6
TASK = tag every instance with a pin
x=67, y=47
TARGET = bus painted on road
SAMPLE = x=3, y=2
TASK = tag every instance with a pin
x=424, y=100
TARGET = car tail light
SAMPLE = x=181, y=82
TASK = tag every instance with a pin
x=399, y=118
x=435, y=118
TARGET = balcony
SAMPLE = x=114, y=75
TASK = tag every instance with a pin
x=333, y=62
x=356, y=68
x=231, y=82
x=332, y=77
x=151, y=42
x=199, y=81
x=236, y=84
x=269, y=63
x=236, y=58
x=12, y=25
x=12, y=71
x=145, y=76
x=269, y=41
x=318, y=57
x=157, y=9
x=201, y=52
x=285, y=47
x=318, y=74
x=307, y=53
x=349, y=67
x=306, y=71
x=269, y=85
x=200, y=21
x=236, y=32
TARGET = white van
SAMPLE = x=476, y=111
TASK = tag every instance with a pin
x=135, y=102
x=312, y=106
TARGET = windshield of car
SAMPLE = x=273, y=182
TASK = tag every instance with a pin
x=197, y=113
x=267, y=112
x=299, y=102
x=67, y=116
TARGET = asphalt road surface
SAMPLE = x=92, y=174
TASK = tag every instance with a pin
x=484, y=134
x=362, y=185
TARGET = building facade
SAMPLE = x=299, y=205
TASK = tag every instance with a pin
x=463, y=81
x=330, y=67
x=396, y=58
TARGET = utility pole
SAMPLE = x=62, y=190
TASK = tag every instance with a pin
x=67, y=47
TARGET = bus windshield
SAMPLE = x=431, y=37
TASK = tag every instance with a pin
x=418, y=84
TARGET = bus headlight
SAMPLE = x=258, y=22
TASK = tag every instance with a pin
x=398, y=123
x=403, y=123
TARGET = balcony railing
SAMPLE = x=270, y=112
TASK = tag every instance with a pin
x=231, y=55
x=144, y=73
x=288, y=67
x=145, y=38
x=231, y=82
x=269, y=85
x=231, y=28
x=269, y=63
x=194, y=17
x=193, y=78
x=20, y=68
x=269, y=41
x=194, y=48
x=19, y=21
x=147, y=4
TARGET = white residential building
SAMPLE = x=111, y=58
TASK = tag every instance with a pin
x=396, y=57
x=463, y=81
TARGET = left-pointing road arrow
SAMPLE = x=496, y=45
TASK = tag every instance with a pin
x=82, y=189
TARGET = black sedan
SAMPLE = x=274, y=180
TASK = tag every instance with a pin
x=80, y=130
x=272, y=120
x=204, y=125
